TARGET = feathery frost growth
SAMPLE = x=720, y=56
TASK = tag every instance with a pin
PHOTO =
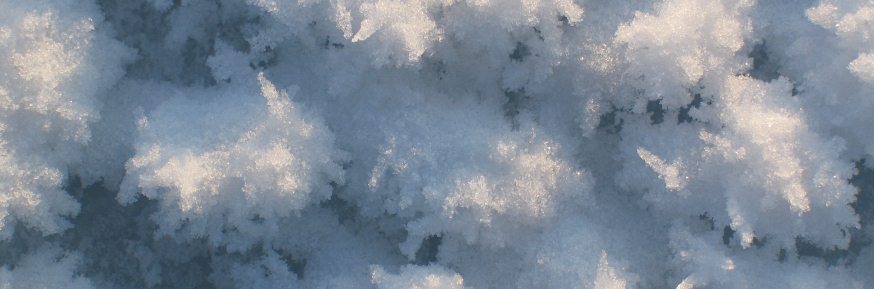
x=436, y=144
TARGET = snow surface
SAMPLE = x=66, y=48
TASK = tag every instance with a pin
x=436, y=144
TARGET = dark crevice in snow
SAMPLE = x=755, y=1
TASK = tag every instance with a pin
x=269, y=59
x=345, y=211
x=864, y=207
x=859, y=240
x=683, y=115
x=763, y=68
x=24, y=240
x=194, y=70
x=728, y=238
x=538, y=33
x=705, y=217
x=428, y=250
x=611, y=122
x=727, y=235
x=330, y=44
x=517, y=100
x=120, y=250
x=520, y=52
x=176, y=55
x=656, y=111
x=864, y=204
x=295, y=265
x=781, y=256
x=832, y=256
x=564, y=20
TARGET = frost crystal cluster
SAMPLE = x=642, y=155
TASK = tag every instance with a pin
x=436, y=144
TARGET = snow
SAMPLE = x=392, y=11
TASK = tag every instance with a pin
x=436, y=144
